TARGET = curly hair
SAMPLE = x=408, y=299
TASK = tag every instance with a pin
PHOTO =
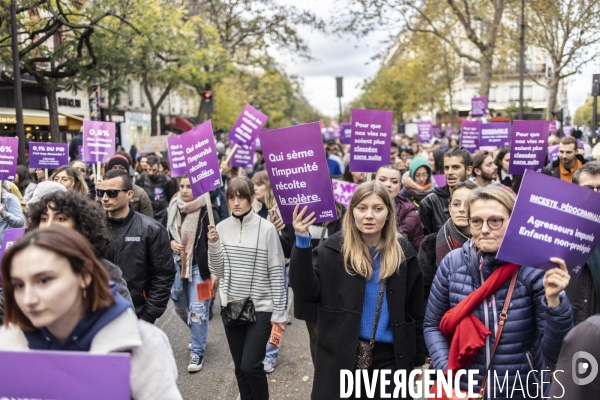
x=90, y=219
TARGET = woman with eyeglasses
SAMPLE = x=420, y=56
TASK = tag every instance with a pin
x=467, y=306
x=70, y=178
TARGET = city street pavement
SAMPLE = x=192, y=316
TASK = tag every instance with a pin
x=292, y=378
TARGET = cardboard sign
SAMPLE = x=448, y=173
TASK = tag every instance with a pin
x=425, y=131
x=469, y=135
x=151, y=144
x=201, y=159
x=343, y=191
x=567, y=130
x=478, y=106
x=449, y=131
x=176, y=156
x=98, y=141
x=48, y=155
x=552, y=153
x=80, y=153
x=10, y=237
x=436, y=131
x=246, y=128
x=371, y=140
x=346, y=133
x=552, y=127
x=243, y=158
x=9, y=151
x=495, y=134
x=552, y=218
x=528, y=146
x=297, y=167
x=64, y=375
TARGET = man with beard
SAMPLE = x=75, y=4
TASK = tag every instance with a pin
x=484, y=169
x=568, y=160
x=433, y=210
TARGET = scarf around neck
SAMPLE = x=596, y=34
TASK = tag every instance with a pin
x=448, y=239
x=184, y=232
x=414, y=189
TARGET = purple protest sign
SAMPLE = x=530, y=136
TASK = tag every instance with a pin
x=371, y=140
x=343, y=191
x=98, y=141
x=495, y=134
x=297, y=168
x=424, y=129
x=436, y=131
x=201, y=159
x=246, y=128
x=469, y=135
x=571, y=230
x=567, y=130
x=243, y=158
x=346, y=131
x=478, y=106
x=449, y=131
x=337, y=133
x=552, y=128
x=440, y=180
x=528, y=146
x=10, y=237
x=48, y=155
x=64, y=375
x=552, y=153
x=9, y=150
x=176, y=156
x=80, y=152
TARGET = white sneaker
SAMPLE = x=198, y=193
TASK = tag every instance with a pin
x=268, y=367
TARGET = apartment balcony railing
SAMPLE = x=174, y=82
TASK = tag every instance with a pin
x=532, y=69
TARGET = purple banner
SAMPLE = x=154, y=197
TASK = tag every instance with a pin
x=552, y=153
x=343, y=191
x=440, y=180
x=436, y=131
x=64, y=375
x=297, y=168
x=371, y=139
x=243, y=158
x=80, y=152
x=567, y=130
x=528, y=146
x=176, y=156
x=495, y=134
x=552, y=128
x=10, y=237
x=346, y=131
x=449, y=131
x=337, y=133
x=552, y=218
x=424, y=131
x=9, y=151
x=469, y=135
x=98, y=141
x=48, y=155
x=246, y=128
x=201, y=159
x=478, y=106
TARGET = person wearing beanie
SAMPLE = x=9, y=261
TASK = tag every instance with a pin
x=140, y=200
x=417, y=182
x=44, y=188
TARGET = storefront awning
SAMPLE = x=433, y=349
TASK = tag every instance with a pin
x=73, y=121
x=30, y=117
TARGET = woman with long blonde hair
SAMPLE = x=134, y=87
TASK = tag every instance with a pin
x=369, y=287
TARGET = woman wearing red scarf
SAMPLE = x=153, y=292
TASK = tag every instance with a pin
x=467, y=300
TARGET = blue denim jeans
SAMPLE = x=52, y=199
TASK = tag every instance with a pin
x=191, y=311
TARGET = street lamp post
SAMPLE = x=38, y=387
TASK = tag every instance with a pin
x=17, y=83
x=522, y=60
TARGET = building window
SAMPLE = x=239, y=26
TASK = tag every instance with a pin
x=514, y=93
x=492, y=94
x=527, y=92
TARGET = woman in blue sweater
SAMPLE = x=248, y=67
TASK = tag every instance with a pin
x=355, y=272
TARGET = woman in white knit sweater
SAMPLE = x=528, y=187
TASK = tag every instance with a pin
x=245, y=253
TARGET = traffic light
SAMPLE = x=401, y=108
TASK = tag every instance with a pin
x=207, y=102
x=558, y=115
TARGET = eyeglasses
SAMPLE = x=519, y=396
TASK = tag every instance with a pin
x=594, y=188
x=493, y=223
x=112, y=193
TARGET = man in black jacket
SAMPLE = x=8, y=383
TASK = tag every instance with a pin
x=140, y=245
x=458, y=164
x=584, y=288
x=568, y=160
x=158, y=186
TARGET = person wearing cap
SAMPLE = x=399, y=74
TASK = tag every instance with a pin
x=44, y=188
x=140, y=200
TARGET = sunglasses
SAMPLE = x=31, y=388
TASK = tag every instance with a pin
x=112, y=193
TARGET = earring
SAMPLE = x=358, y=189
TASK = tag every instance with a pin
x=84, y=293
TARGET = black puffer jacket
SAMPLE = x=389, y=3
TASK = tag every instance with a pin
x=434, y=210
x=140, y=246
x=160, y=192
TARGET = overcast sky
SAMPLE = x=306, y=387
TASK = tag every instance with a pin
x=351, y=58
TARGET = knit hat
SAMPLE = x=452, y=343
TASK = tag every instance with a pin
x=417, y=163
x=44, y=188
x=117, y=159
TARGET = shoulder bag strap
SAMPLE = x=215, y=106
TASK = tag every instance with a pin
x=503, y=318
x=377, y=312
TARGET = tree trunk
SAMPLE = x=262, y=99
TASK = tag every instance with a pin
x=552, y=93
x=485, y=74
x=49, y=87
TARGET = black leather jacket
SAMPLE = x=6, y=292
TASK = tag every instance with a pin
x=140, y=247
x=160, y=192
x=433, y=210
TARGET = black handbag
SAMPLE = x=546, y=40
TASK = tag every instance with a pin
x=364, y=350
x=241, y=312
